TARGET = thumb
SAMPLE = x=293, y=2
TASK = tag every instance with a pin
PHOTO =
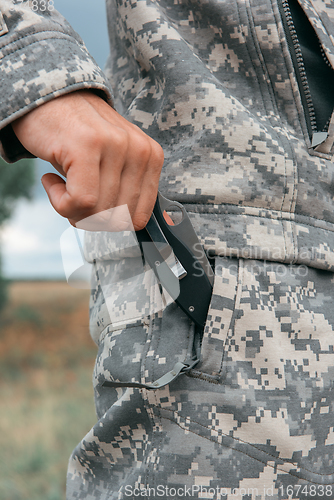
x=55, y=188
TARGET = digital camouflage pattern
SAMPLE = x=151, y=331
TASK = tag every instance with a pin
x=41, y=58
x=214, y=83
x=253, y=421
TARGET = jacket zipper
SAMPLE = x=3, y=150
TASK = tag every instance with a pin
x=298, y=61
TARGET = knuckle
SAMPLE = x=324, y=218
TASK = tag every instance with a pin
x=120, y=140
x=86, y=202
x=158, y=154
x=144, y=150
x=95, y=138
x=91, y=137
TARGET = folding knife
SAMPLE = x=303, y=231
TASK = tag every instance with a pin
x=176, y=256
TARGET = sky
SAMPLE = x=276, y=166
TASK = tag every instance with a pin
x=30, y=241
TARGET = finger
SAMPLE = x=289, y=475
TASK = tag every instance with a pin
x=111, y=220
x=55, y=188
x=130, y=185
x=112, y=165
x=140, y=176
x=80, y=161
x=78, y=196
x=148, y=190
x=144, y=208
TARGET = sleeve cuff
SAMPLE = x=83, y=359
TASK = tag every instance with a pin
x=43, y=70
x=11, y=149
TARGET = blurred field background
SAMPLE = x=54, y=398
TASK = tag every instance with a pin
x=46, y=363
x=46, y=354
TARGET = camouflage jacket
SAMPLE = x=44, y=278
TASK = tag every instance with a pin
x=220, y=87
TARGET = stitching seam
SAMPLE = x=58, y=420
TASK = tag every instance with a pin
x=270, y=218
x=54, y=34
x=244, y=442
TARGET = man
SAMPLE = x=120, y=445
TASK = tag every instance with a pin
x=226, y=89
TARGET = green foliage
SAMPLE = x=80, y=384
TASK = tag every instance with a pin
x=3, y=289
x=16, y=181
x=28, y=314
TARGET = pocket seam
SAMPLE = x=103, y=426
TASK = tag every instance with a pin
x=110, y=329
x=247, y=443
x=215, y=375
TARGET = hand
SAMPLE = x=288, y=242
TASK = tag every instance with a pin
x=107, y=161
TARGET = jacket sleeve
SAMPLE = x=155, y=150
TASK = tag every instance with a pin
x=41, y=57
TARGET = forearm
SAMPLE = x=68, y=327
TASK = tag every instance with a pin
x=41, y=58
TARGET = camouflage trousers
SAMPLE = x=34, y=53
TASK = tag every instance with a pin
x=253, y=421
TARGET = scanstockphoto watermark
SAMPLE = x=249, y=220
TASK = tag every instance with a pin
x=272, y=253
x=219, y=493
x=194, y=491
x=258, y=269
x=258, y=260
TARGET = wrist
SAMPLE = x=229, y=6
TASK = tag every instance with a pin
x=11, y=148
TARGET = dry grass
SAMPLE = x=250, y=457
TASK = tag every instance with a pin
x=46, y=361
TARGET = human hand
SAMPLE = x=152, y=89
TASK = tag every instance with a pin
x=107, y=161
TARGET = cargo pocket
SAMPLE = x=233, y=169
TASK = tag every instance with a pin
x=123, y=294
x=142, y=353
x=219, y=317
